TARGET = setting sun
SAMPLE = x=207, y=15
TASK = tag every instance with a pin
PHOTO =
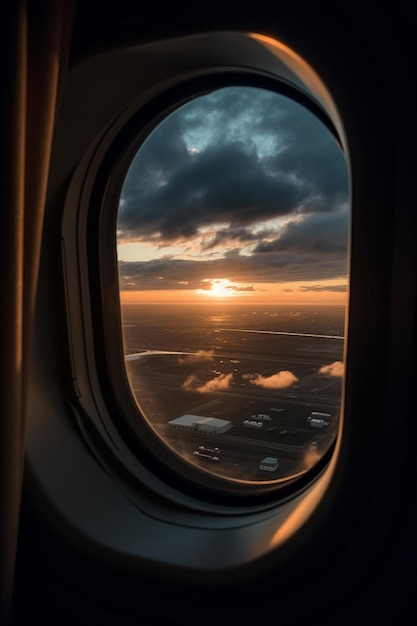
x=245, y=213
x=218, y=287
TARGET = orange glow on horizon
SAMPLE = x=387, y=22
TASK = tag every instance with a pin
x=282, y=295
x=219, y=288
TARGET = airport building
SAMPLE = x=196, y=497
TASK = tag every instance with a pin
x=269, y=464
x=201, y=424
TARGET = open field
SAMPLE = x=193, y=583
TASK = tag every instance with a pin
x=191, y=362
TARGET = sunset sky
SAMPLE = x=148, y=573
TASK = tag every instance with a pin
x=240, y=194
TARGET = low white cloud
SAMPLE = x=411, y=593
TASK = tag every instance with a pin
x=280, y=380
x=221, y=382
x=336, y=369
x=196, y=357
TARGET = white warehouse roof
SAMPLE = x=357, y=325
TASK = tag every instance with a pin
x=200, y=422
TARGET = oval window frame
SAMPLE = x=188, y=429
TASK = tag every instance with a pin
x=137, y=125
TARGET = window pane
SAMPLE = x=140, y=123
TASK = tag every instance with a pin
x=232, y=238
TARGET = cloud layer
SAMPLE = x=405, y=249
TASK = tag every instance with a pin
x=242, y=183
x=283, y=379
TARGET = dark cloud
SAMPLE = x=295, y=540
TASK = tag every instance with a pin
x=224, y=183
x=313, y=234
x=248, y=182
x=226, y=236
x=342, y=288
x=171, y=273
x=261, y=156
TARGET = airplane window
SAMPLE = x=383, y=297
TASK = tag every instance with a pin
x=232, y=245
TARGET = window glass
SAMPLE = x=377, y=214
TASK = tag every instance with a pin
x=232, y=241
